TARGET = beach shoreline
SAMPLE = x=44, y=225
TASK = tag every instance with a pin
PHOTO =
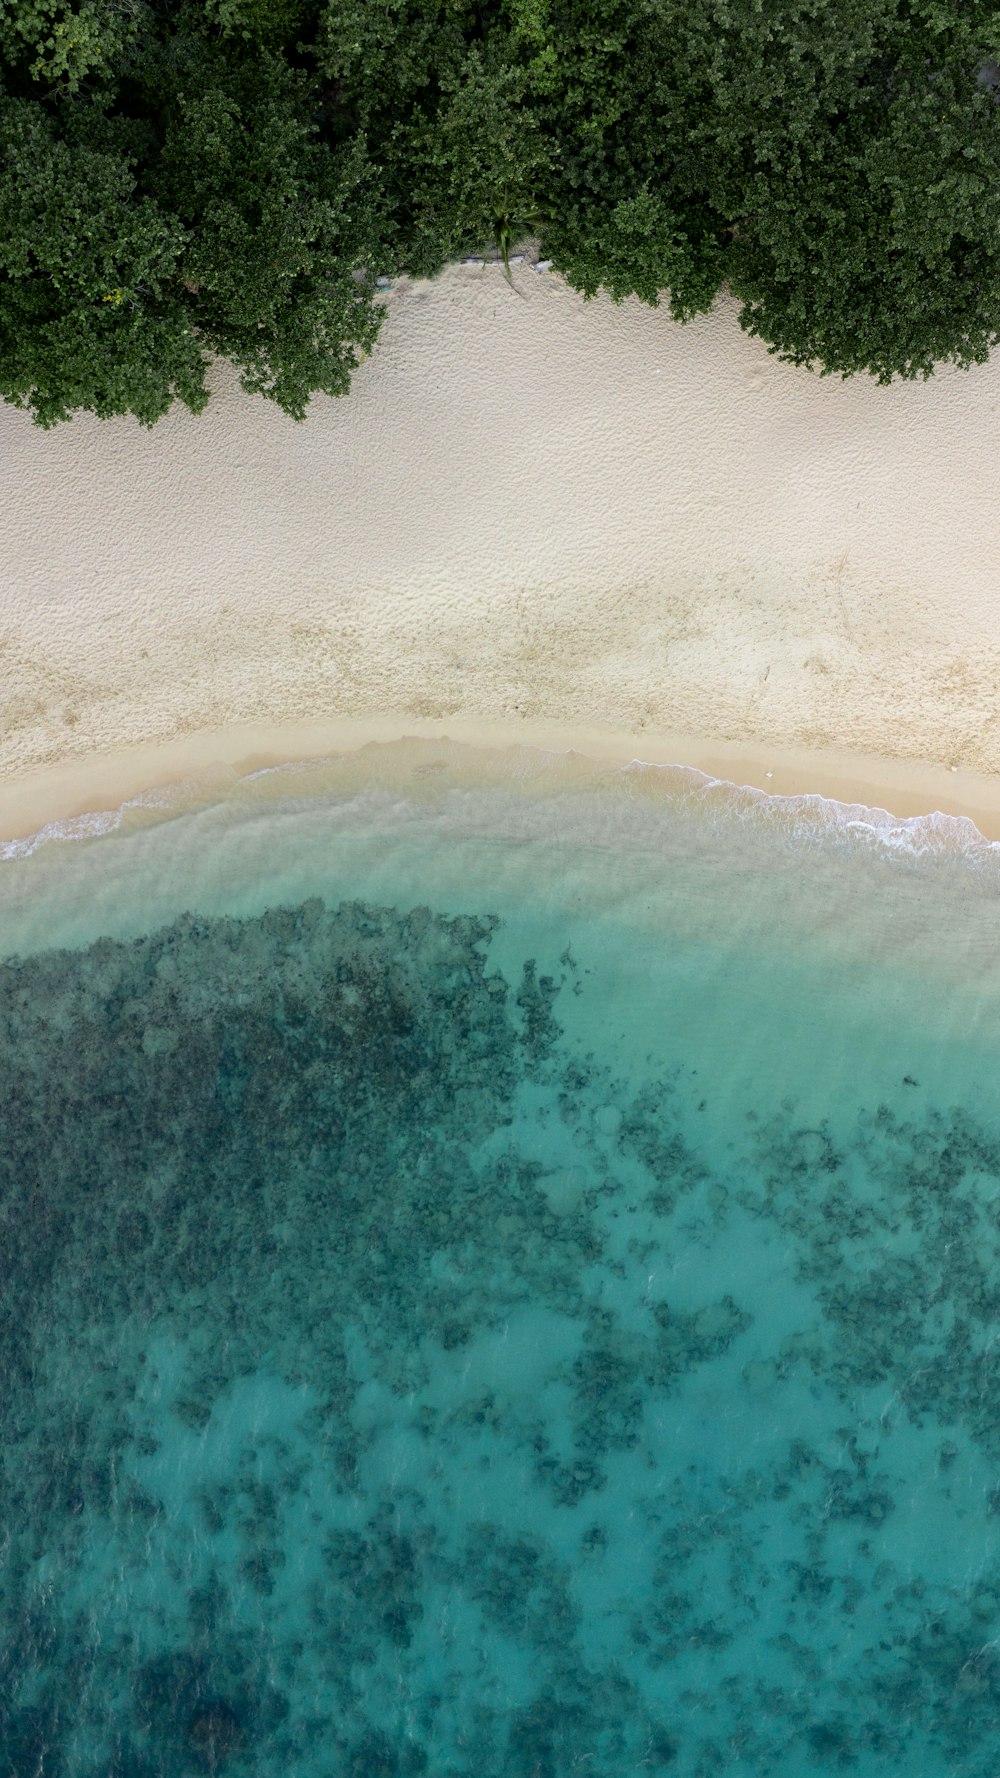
x=204, y=767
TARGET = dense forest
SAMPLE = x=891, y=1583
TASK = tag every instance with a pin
x=186, y=177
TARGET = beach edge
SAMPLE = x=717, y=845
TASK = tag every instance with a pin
x=206, y=764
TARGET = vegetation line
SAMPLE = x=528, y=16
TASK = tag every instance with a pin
x=181, y=178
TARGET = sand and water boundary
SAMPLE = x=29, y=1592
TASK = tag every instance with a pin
x=405, y=757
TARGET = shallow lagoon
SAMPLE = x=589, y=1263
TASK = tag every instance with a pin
x=500, y=1279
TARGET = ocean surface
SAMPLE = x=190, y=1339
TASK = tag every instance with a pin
x=499, y=1280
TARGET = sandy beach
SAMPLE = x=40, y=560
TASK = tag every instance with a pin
x=533, y=519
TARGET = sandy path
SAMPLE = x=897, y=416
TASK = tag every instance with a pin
x=528, y=507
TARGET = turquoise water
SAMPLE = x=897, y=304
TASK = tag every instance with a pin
x=500, y=1281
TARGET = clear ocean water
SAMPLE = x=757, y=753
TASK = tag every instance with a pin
x=499, y=1280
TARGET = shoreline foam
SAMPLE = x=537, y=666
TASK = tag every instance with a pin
x=898, y=801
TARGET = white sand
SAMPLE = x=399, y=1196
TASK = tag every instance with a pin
x=529, y=510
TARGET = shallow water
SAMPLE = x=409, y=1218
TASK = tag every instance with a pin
x=500, y=1282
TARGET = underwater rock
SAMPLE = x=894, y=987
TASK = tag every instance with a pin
x=214, y=1732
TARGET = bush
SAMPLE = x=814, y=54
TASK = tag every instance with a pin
x=180, y=177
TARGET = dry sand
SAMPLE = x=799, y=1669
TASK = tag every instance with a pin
x=533, y=517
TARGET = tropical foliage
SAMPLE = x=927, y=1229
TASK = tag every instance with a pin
x=186, y=177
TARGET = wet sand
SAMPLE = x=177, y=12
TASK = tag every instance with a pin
x=205, y=765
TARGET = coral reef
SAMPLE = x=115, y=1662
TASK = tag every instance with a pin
x=391, y=1386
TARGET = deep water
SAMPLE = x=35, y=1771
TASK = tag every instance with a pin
x=500, y=1284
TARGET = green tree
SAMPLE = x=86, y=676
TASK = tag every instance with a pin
x=277, y=222
x=866, y=221
x=90, y=306
x=620, y=98
x=61, y=43
x=437, y=89
x=835, y=162
x=213, y=221
x=271, y=24
x=187, y=177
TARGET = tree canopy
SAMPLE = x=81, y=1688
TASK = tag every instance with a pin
x=186, y=177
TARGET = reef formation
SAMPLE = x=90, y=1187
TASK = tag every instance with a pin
x=390, y=1387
